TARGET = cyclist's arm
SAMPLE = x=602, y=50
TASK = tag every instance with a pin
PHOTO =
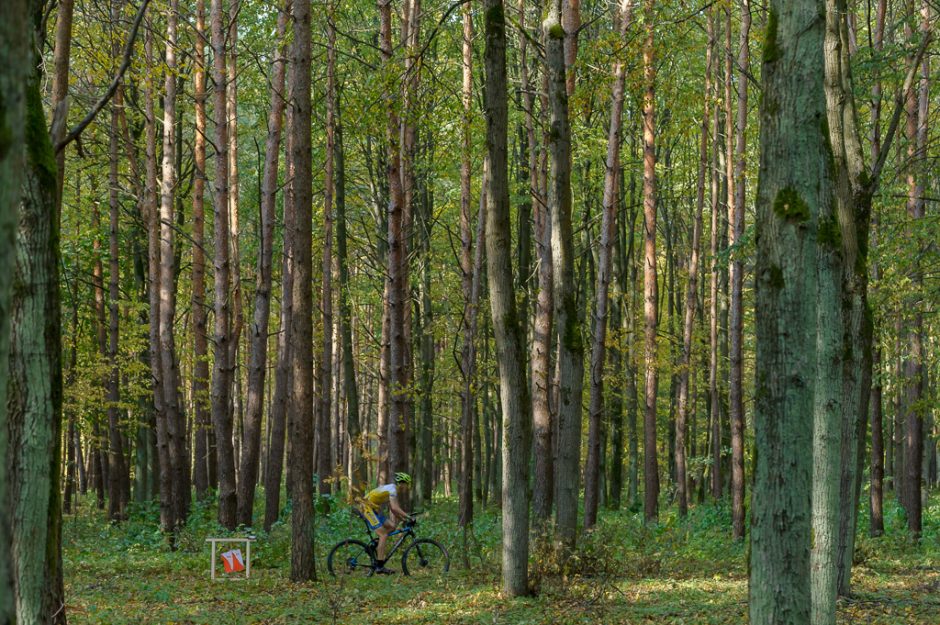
x=396, y=509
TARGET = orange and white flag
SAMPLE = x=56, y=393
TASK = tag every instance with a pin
x=232, y=561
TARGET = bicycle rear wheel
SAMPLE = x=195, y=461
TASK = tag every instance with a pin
x=350, y=557
x=425, y=558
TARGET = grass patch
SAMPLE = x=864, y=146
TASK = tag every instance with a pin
x=679, y=571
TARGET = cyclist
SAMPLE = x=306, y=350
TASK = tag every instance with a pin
x=374, y=504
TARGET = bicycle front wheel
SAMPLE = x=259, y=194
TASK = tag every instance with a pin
x=350, y=557
x=425, y=558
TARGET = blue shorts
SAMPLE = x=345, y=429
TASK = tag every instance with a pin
x=378, y=516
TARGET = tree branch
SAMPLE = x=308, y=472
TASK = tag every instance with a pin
x=100, y=104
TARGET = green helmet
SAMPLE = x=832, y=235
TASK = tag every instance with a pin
x=402, y=478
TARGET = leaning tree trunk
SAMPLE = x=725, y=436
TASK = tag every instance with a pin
x=303, y=563
x=793, y=188
x=507, y=326
x=257, y=365
x=650, y=463
x=570, y=342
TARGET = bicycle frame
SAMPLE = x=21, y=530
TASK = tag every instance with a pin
x=404, y=532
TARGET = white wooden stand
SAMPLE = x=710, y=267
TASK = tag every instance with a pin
x=246, y=541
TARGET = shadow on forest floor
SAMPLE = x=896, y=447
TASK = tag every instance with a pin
x=686, y=572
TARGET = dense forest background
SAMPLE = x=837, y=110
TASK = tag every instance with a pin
x=517, y=250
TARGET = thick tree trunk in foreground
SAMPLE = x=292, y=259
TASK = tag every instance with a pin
x=14, y=60
x=789, y=200
x=507, y=326
x=257, y=365
x=303, y=563
x=34, y=384
x=650, y=299
x=223, y=367
x=570, y=342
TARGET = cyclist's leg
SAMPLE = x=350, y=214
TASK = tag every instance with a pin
x=387, y=527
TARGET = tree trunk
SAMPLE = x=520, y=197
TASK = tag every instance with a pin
x=257, y=366
x=468, y=280
x=223, y=366
x=200, y=382
x=571, y=345
x=691, y=293
x=176, y=430
x=507, y=326
x=303, y=563
x=736, y=278
x=592, y=472
x=15, y=58
x=34, y=382
x=650, y=463
x=789, y=201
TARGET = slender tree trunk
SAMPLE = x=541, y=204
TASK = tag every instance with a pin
x=736, y=278
x=790, y=198
x=592, y=472
x=650, y=463
x=282, y=374
x=200, y=382
x=571, y=345
x=223, y=367
x=176, y=430
x=257, y=366
x=303, y=563
x=691, y=293
x=325, y=464
x=468, y=279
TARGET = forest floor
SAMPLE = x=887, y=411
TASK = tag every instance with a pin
x=687, y=572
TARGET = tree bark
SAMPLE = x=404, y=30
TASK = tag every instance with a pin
x=592, y=471
x=736, y=278
x=650, y=463
x=570, y=342
x=223, y=351
x=15, y=57
x=691, y=293
x=789, y=201
x=200, y=381
x=257, y=366
x=176, y=421
x=507, y=326
x=303, y=563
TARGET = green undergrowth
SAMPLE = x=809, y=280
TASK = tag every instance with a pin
x=679, y=571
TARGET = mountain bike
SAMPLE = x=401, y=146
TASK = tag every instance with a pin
x=422, y=557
